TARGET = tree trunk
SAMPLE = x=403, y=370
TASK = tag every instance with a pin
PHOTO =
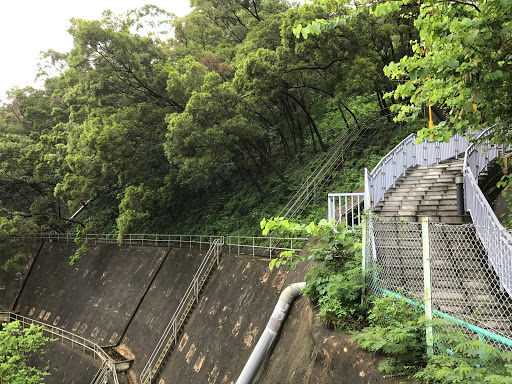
x=343, y=116
x=351, y=113
x=311, y=121
x=271, y=162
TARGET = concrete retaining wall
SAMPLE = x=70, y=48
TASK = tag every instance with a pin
x=226, y=324
x=159, y=304
x=95, y=298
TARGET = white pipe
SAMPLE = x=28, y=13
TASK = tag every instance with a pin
x=270, y=333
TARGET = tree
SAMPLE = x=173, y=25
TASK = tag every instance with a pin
x=17, y=346
x=462, y=62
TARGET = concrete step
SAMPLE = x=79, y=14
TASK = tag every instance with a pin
x=503, y=324
x=432, y=180
x=416, y=211
x=418, y=202
x=421, y=209
x=415, y=195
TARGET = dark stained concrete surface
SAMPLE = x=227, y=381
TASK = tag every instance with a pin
x=67, y=365
x=159, y=305
x=125, y=296
x=308, y=352
x=10, y=283
x=96, y=297
x=224, y=327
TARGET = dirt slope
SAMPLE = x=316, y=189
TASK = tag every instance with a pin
x=308, y=352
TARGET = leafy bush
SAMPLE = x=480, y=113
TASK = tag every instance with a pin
x=17, y=346
x=396, y=329
x=15, y=263
x=328, y=240
x=337, y=284
x=466, y=362
x=340, y=299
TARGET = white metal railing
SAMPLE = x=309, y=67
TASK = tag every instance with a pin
x=263, y=246
x=346, y=207
x=157, y=240
x=499, y=246
x=406, y=155
x=324, y=169
x=107, y=368
x=172, y=329
x=476, y=160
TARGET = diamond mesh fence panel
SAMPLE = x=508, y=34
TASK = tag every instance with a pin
x=464, y=286
x=395, y=261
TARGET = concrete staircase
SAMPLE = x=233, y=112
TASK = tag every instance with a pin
x=425, y=191
x=463, y=284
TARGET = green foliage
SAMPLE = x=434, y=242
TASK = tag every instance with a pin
x=335, y=285
x=130, y=210
x=15, y=263
x=17, y=345
x=207, y=130
x=463, y=63
x=327, y=239
x=396, y=329
x=470, y=361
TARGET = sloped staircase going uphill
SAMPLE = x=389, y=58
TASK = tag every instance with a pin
x=191, y=297
x=463, y=283
x=425, y=191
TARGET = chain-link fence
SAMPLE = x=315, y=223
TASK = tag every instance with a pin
x=442, y=268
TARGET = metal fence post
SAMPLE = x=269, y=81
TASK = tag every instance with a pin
x=363, y=257
x=363, y=250
x=427, y=284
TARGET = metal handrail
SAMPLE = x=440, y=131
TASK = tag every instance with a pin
x=406, y=155
x=263, y=246
x=347, y=206
x=499, y=248
x=144, y=239
x=324, y=169
x=172, y=329
x=77, y=342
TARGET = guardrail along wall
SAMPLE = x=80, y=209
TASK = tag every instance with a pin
x=496, y=240
x=107, y=370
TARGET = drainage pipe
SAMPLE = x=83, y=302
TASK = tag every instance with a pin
x=270, y=333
